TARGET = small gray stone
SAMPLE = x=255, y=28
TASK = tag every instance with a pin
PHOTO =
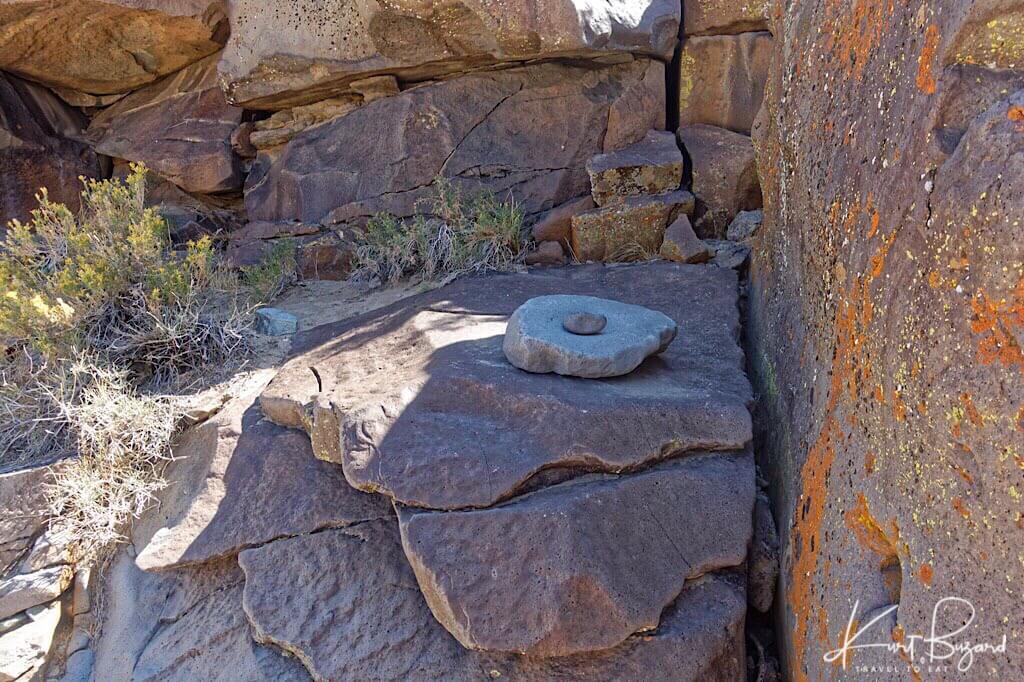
x=728, y=254
x=584, y=324
x=745, y=225
x=21, y=592
x=276, y=322
x=536, y=341
x=79, y=666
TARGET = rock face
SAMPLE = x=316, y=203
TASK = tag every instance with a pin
x=40, y=146
x=106, y=47
x=886, y=291
x=388, y=633
x=23, y=513
x=180, y=127
x=705, y=17
x=280, y=54
x=652, y=166
x=555, y=224
x=616, y=552
x=410, y=419
x=722, y=79
x=630, y=230
x=725, y=178
x=682, y=245
x=540, y=336
x=24, y=591
x=23, y=649
x=528, y=131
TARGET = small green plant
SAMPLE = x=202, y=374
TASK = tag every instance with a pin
x=268, y=279
x=456, y=234
x=101, y=321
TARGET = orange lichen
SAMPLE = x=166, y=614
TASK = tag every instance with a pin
x=926, y=573
x=867, y=530
x=996, y=322
x=934, y=279
x=961, y=507
x=857, y=29
x=971, y=409
x=899, y=408
x=806, y=543
x=1016, y=114
x=925, y=63
x=869, y=462
x=875, y=219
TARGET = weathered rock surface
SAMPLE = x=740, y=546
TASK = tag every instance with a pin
x=528, y=131
x=20, y=592
x=546, y=253
x=681, y=243
x=722, y=80
x=725, y=179
x=280, y=54
x=242, y=482
x=106, y=47
x=414, y=386
x=616, y=551
x=652, y=166
x=351, y=623
x=885, y=294
x=745, y=225
x=538, y=338
x=554, y=225
x=330, y=257
x=763, y=563
x=705, y=17
x=180, y=127
x=629, y=230
x=40, y=146
x=728, y=254
x=23, y=513
x=23, y=650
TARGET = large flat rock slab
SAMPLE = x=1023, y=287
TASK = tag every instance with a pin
x=359, y=615
x=582, y=565
x=418, y=401
x=242, y=481
x=284, y=53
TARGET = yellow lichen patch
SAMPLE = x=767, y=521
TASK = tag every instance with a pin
x=997, y=43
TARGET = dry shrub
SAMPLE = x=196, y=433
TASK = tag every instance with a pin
x=101, y=321
x=456, y=235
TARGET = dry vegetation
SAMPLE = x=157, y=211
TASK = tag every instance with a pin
x=456, y=235
x=101, y=325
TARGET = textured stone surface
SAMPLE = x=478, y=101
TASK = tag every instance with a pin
x=722, y=79
x=20, y=592
x=241, y=482
x=886, y=290
x=537, y=339
x=180, y=127
x=350, y=623
x=528, y=131
x=763, y=563
x=281, y=53
x=745, y=225
x=651, y=166
x=628, y=230
x=725, y=178
x=23, y=513
x=681, y=244
x=329, y=257
x=23, y=650
x=414, y=388
x=705, y=17
x=40, y=146
x=275, y=322
x=106, y=47
x=616, y=551
x=546, y=253
x=554, y=225
x=727, y=254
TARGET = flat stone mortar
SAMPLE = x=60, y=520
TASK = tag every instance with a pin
x=419, y=403
x=537, y=339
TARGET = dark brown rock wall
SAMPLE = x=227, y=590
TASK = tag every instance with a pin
x=887, y=319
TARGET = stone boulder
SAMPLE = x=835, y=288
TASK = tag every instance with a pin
x=555, y=225
x=716, y=17
x=23, y=591
x=402, y=396
x=41, y=145
x=24, y=648
x=630, y=230
x=616, y=551
x=360, y=615
x=106, y=47
x=722, y=79
x=546, y=253
x=23, y=513
x=180, y=127
x=280, y=54
x=652, y=166
x=682, y=245
x=526, y=132
x=724, y=173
